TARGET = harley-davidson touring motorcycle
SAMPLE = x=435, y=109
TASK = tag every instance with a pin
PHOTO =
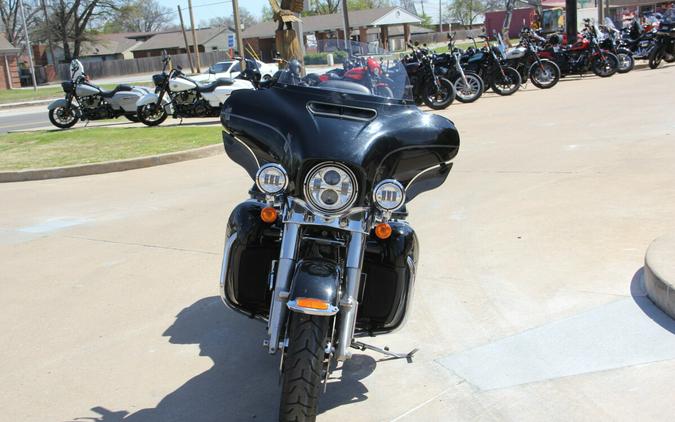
x=181, y=97
x=86, y=101
x=321, y=251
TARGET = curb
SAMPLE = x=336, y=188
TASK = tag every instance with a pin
x=659, y=275
x=27, y=104
x=110, y=166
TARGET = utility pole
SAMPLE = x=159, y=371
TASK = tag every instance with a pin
x=601, y=11
x=237, y=33
x=30, y=52
x=345, y=17
x=187, y=46
x=194, y=37
x=49, y=34
x=440, y=16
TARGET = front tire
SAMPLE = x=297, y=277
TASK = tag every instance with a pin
x=655, y=57
x=439, y=99
x=63, y=118
x=471, y=91
x=303, y=363
x=608, y=67
x=507, y=84
x=626, y=61
x=151, y=114
x=544, y=75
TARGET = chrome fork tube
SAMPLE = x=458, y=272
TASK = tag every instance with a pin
x=289, y=243
x=349, y=303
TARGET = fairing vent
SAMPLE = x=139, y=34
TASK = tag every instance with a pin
x=341, y=111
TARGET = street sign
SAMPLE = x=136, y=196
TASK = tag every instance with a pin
x=230, y=40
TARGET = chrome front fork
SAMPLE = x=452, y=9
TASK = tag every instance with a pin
x=349, y=300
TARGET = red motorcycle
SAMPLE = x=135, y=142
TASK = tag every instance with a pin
x=367, y=72
x=582, y=56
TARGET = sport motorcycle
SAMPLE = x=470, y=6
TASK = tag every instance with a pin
x=86, y=101
x=181, y=97
x=321, y=251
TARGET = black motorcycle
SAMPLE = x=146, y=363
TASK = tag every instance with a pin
x=428, y=87
x=468, y=85
x=321, y=251
x=638, y=41
x=488, y=63
x=610, y=39
x=664, y=47
x=543, y=73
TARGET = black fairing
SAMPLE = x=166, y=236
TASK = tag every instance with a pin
x=399, y=142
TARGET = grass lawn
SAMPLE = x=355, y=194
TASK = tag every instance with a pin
x=44, y=93
x=55, y=148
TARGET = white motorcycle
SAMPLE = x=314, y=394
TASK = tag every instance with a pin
x=181, y=97
x=86, y=101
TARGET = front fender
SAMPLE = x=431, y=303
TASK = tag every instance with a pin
x=149, y=98
x=58, y=103
x=315, y=279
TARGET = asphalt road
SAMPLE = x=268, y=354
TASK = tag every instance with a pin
x=23, y=118
x=528, y=303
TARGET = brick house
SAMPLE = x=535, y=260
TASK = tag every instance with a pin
x=9, y=67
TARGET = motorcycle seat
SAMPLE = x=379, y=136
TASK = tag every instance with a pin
x=118, y=88
x=210, y=87
x=345, y=86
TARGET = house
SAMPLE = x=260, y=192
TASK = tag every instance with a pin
x=208, y=39
x=9, y=67
x=367, y=26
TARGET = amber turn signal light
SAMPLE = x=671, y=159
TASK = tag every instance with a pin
x=268, y=215
x=308, y=302
x=383, y=231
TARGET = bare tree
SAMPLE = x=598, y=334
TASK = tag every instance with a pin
x=467, y=11
x=10, y=19
x=140, y=16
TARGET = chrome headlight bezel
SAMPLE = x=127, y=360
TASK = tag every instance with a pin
x=266, y=169
x=389, y=185
x=345, y=200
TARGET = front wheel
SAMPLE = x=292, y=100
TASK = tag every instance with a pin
x=545, y=74
x=626, y=61
x=655, y=57
x=151, y=114
x=63, y=117
x=471, y=90
x=508, y=83
x=303, y=362
x=605, y=65
x=441, y=97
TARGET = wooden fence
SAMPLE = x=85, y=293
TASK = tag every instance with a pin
x=111, y=68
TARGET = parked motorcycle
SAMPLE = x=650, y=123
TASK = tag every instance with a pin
x=468, y=85
x=488, y=64
x=582, y=56
x=428, y=87
x=321, y=251
x=610, y=39
x=637, y=40
x=366, y=71
x=86, y=101
x=181, y=97
x=664, y=47
x=543, y=73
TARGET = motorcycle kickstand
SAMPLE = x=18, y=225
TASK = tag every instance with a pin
x=363, y=346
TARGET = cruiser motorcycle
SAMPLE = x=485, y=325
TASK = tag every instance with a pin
x=321, y=251
x=489, y=64
x=181, y=97
x=468, y=85
x=543, y=73
x=428, y=87
x=664, y=47
x=86, y=101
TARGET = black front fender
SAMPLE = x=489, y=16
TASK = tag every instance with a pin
x=315, y=279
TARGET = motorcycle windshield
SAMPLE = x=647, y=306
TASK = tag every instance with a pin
x=609, y=23
x=301, y=121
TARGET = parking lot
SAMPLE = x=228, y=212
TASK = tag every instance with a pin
x=528, y=303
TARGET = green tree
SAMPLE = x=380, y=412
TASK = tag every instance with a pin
x=467, y=11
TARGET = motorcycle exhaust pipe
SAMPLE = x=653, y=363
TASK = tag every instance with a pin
x=349, y=303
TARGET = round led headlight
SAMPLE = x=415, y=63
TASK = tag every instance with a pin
x=389, y=195
x=271, y=179
x=330, y=187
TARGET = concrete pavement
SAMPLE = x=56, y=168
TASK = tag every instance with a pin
x=529, y=304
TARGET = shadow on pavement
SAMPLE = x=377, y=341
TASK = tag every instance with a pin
x=639, y=294
x=243, y=383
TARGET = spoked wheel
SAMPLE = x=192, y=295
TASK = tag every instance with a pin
x=151, y=114
x=655, y=57
x=440, y=98
x=626, y=61
x=545, y=74
x=508, y=83
x=303, y=362
x=63, y=117
x=605, y=65
x=471, y=90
